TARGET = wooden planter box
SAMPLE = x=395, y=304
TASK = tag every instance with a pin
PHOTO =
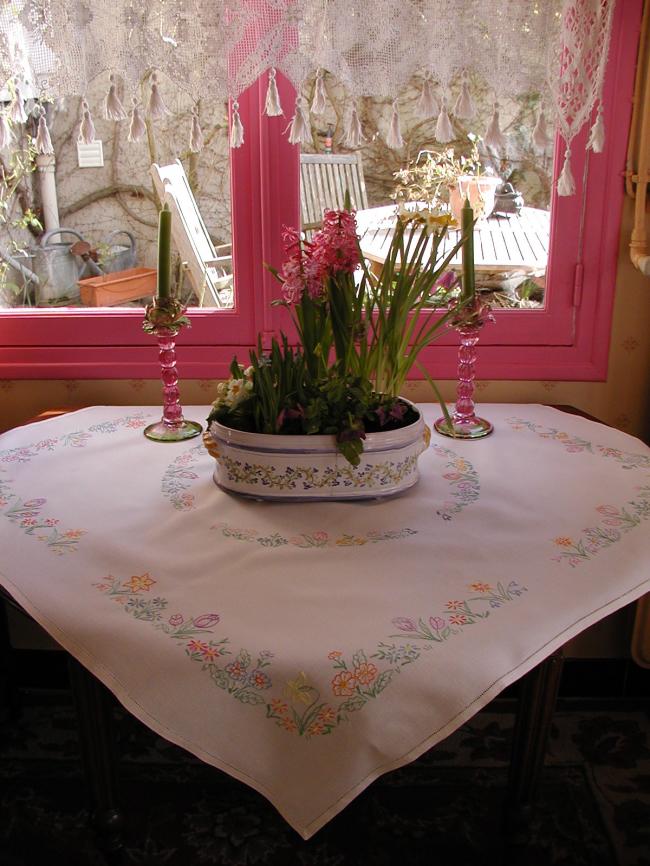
x=119, y=287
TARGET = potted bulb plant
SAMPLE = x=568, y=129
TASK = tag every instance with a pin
x=325, y=418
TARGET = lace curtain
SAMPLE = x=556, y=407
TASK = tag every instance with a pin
x=556, y=49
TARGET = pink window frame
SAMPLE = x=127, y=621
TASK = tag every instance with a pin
x=568, y=340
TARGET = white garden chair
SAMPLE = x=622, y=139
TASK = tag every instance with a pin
x=209, y=269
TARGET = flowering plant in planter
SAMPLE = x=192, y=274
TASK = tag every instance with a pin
x=359, y=335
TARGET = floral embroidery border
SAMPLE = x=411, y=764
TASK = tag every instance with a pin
x=464, y=477
x=179, y=475
x=27, y=512
x=302, y=710
x=317, y=539
x=614, y=523
x=575, y=444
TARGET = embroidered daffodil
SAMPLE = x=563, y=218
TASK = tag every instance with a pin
x=299, y=689
x=139, y=581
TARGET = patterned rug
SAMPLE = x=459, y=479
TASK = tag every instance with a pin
x=443, y=809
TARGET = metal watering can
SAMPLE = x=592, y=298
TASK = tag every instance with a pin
x=55, y=267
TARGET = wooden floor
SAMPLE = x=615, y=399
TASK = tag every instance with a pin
x=501, y=243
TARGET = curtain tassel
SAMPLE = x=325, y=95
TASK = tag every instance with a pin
x=137, y=127
x=353, y=134
x=17, y=108
x=464, y=106
x=319, y=102
x=444, y=129
x=6, y=135
x=427, y=103
x=87, y=127
x=43, y=141
x=272, y=106
x=156, y=108
x=540, y=133
x=597, y=135
x=113, y=108
x=566, y=184
x=196, y=135
x=299, y=129
x=237, y=127
x=494, y=138
x=394, y=138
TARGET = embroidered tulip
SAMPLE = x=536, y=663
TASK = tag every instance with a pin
x=176, y=619
x=404, y=623
x=436, y=623
x=206, y=620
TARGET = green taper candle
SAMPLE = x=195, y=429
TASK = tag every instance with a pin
x=467, y=227
x=164, y=252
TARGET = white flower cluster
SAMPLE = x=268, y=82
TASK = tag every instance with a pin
x=233, y=391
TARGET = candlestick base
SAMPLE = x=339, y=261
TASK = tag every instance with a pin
x=163, y=432
x=470, y=428
x=463, y=422
x=164, y=318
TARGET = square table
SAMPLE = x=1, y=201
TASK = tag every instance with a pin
x=307, y=648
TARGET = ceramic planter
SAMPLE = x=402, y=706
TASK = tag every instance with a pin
x=480, y=190
x=265, y=466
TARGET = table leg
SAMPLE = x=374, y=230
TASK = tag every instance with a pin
x=535, y=710
x=98, y=753
x=9, y=702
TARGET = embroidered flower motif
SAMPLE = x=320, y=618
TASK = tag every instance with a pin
x=404, y=623
x=458, y=619
x=176, y=619
x=315, y=729
x=299, y=689
x=207, y=620
x=335, y=654
x=74, y=533
x=327, y=715
x=365, y=673
x=344, y=683
x=210, y=653
x=236, y=670
x=260, y=680
x=455, y=605
x=480, y=587
x=563, y=541
x=197, y=646
x=436, y=622
x=279, y=706
x=138, y=582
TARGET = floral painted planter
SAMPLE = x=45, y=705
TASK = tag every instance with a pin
x=265, y=466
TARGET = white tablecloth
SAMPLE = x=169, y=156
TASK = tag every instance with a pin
x=306, y=649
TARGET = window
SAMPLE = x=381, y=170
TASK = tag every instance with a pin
x=568, y=339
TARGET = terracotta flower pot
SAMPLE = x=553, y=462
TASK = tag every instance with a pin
x=481, y=191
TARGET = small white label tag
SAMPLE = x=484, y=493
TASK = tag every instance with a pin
x=90, y=155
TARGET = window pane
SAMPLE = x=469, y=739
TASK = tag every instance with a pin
x=106, y=197
x=512, y=194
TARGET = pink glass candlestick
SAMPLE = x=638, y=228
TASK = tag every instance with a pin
x=172, y=427
x=465, y=424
